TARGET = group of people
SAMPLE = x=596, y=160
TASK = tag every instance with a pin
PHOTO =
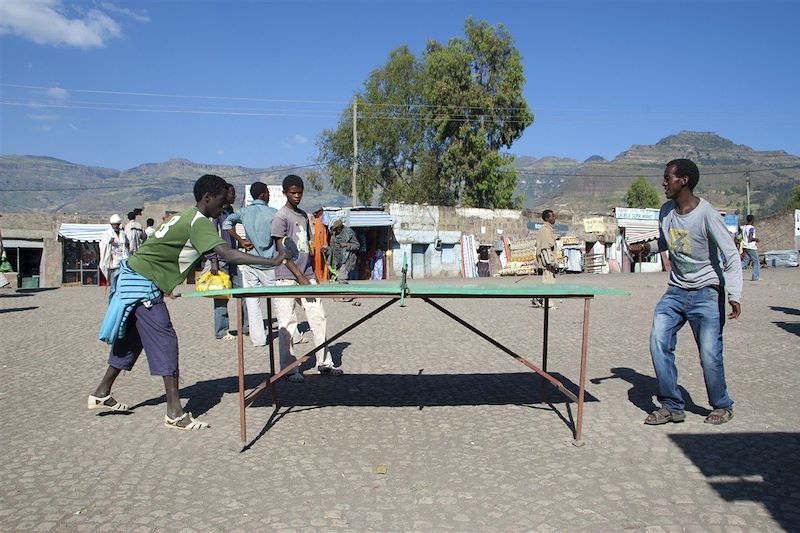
x=137, y=318
x=706, y=272
x=118, y=243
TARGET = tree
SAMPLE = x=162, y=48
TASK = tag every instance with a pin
x=641, y=194
x=794, y=199
x=430, y=130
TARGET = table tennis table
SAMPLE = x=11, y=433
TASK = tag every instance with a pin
x=398, y=292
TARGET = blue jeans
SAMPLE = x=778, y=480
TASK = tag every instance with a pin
x=704, y=309
x=221, y=321
x=751, y=256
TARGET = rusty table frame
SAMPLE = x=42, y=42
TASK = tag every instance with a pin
x=398, y=293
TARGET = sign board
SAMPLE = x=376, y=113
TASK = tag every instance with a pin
x=594, y=225
x=797, y=229
x=732, y=223
x=276, y=197
x=632, y=213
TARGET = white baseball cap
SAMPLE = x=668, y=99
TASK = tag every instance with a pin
x=115, y=219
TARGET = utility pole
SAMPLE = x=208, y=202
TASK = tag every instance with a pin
x=747, y=181
x=355, y=154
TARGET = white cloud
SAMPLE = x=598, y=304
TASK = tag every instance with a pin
x=58, y=93
x=139, y=17
x=44, y=118
x=44, y=22
x=300, y=139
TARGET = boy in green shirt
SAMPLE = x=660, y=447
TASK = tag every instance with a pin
x=162, y=263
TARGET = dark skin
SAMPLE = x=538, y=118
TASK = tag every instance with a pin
x=677, y=188
x=210, y=206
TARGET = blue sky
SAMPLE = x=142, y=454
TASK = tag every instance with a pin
x=118, y=83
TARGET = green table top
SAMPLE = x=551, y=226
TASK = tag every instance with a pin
x=421, y=289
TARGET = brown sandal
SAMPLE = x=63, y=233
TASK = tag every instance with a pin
x=662, y=416
x=719, y=416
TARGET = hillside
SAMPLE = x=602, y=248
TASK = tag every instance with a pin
x=597, y=185
x=45, y=184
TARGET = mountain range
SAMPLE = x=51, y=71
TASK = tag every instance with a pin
x=45, y=184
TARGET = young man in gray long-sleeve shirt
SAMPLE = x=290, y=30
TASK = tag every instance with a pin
x=695, y=235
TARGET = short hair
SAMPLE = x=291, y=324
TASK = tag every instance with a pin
x=750, y=219
x=150, y=222
x=686, y=167
x=131, y=215
x=257, y=189
x=546, y=214
x=211, y=184
x=292, y=180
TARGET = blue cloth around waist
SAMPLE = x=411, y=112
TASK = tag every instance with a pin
x=132, y=289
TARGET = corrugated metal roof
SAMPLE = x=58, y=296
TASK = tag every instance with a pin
x=357, y=218
x=83, y=232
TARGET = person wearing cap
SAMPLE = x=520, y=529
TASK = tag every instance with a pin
x=113, y=250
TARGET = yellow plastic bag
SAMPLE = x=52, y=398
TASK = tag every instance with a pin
x=211, y=282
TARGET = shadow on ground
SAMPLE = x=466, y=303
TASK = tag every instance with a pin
x=19, y=309
x=644, y=387
x=759, y=467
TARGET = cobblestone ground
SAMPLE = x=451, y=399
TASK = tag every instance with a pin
x=431, y=429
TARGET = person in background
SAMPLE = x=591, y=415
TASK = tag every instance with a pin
x=546, y=254
x=343, y=247
x=750, y=248
x=257, y=221
x=113, y=250
x=149, y=230
x=215, y=264
x=695, y=235
x=134, y=233
x=291, y=221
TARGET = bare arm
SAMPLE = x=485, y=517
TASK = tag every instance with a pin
x=243, y=243
x=236, y=257
x=301, y=279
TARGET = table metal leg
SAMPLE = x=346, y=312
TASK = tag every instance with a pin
x=582, y=384
x=273, y=388
x=240, y=355
x=543, y=393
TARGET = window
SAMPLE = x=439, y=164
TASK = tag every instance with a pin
x=81, y=261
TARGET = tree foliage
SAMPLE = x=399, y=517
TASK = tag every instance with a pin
x=431, y=129
x=794, y=199
x=641, y=194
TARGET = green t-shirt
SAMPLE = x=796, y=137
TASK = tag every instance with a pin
x=175, y=248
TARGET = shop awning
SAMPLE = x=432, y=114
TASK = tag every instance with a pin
x=82, y=232
x=356, y=218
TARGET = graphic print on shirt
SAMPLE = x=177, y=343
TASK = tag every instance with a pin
x=301, y=238
x=679, y=241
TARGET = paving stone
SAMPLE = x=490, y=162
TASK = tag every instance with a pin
x=455, y=423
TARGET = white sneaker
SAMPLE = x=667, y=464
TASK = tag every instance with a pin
x=227, y=337
x=330, y=370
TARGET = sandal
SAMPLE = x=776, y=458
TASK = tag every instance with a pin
x=330, y=370
x=97, y=402
x=192, y=425
x=662, y=416
x=719, y=416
